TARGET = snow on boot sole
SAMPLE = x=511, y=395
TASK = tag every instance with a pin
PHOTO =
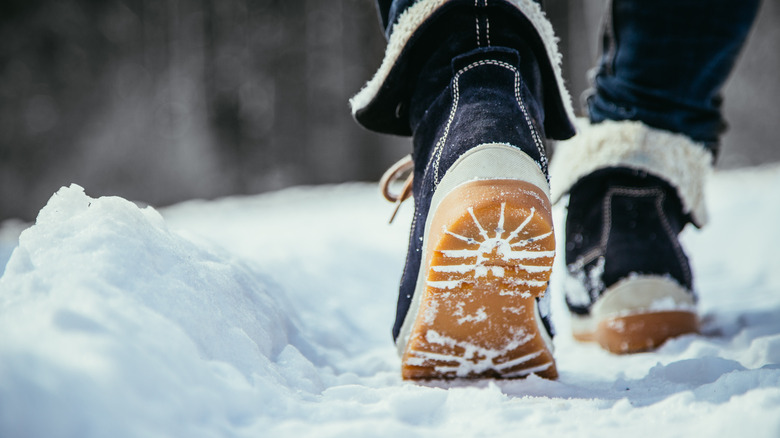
x=488, y=256
x=638, y=314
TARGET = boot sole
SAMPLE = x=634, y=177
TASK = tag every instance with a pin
x=640, y=332
x=488, y=256
x=638, y=314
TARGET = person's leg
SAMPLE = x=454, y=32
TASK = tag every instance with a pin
x=665, y=62
x=477, y=85
x=635, y=176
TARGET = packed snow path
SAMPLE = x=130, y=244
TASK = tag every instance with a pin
x=270, y=316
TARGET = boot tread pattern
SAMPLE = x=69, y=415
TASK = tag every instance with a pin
x=490, y=258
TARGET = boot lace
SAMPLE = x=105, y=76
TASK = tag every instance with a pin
x=396, y=172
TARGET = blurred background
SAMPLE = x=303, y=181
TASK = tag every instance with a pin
x=160, y=101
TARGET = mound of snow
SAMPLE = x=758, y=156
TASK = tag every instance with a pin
x=112, y=325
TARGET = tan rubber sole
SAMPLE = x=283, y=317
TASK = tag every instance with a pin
x=640, y=332
x=489, y=255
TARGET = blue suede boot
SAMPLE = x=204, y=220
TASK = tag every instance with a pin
x=482, y=244
x=477, y=84
x=631, y=190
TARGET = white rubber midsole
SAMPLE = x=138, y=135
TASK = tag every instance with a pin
x=486, y=161
x=635, y=295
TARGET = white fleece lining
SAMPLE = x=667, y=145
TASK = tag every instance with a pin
x=672, y=157
x=411, y=19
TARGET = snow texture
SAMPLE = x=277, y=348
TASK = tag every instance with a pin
x=270, y=316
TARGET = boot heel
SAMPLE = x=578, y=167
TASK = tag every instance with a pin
x=488, y=257
x=638, y=314
x=643, y=331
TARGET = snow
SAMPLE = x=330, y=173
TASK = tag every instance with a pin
x=270, y=316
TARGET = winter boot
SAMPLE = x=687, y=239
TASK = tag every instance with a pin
x=631, y=190
x=472, y=298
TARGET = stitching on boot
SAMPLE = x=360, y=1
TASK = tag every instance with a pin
x=476, y=21
x=486, y=34
x=455, y=100
x=487, y=26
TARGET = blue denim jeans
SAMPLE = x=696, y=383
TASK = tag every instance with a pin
x=664, y=62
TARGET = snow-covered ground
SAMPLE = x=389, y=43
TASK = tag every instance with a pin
x=270, y=316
